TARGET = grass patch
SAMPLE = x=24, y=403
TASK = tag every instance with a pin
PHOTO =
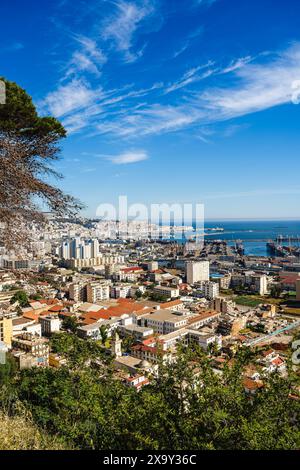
x=247, y=301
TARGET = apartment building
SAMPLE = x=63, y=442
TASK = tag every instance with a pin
x=164, y=321
x=169, y=292
x=36, y=349
x=223, y=305
x=50, y=324
x=78, y=292
x=93, y=262
x=197, y=271
x=120, y=292
x=97, y=292
x=210, y=290
x=260, y=284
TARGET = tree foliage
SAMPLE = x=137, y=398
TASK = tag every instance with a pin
x=29, y=144
x=21, y=297
x=70, y=323
x=187, y=406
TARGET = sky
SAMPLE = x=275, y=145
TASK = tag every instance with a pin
x=167, y=101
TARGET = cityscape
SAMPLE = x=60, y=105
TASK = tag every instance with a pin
x=162, y=329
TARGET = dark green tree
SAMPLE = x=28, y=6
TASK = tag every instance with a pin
x=103, y=333
x=70, y=324
x=21, y=297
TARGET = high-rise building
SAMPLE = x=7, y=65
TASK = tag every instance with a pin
x=64, y=251
x=197, y=271
x=260, y=284
x=77, y=292
x=94, y=248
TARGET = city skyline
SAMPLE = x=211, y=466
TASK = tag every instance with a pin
x=182, y=101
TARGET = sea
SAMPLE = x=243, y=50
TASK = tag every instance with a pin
x=253, y=233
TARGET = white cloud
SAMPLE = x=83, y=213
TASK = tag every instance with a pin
x=261, y=86
x=121, y=27
x=256, y=87
x=88, y=58
x=154, y=119
x=190, y=38
x=69, y=98
x=181, y=50
x=248, y=85
x=191, y=76
x=237, y=64
x=129, y=157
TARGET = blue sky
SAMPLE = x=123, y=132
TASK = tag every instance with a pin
x=167, y=100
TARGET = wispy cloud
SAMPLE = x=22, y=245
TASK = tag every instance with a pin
x=254, y=87
x=74, y=96
x=261, y=86
x=181, y=50
x=191, y=37
x=88, y=170
x=122, y=25
x=246, y=85
x=191, y=76
x=237, y=64
x=128, y=157
x=87, y=58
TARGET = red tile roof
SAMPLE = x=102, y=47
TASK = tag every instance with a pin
x=56, y=308
x=132, y=269
x=172, y=303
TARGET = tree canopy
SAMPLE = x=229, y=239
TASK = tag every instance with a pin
x=21, y=297
x=29, y=144
x=186, y=407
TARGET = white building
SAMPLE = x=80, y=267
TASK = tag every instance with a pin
x=135, y=289
x=50, y=324
x=260, y=284
x=90, y=331
x=164, y=321
x=152, y=266
x=77, y=292
x=209, y=289
x=169, y=292
x=197, y=271
x=204, y=340
x=97, y=292
x=120, y=292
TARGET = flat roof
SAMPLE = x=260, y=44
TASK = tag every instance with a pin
x=137, y=328
x=165, y=315
x=129, y=361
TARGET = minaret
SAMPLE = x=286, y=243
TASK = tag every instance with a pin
x=116, y=346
